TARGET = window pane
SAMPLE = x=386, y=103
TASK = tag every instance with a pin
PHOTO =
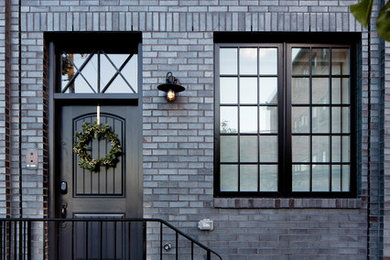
x=345, y=91
x=229, y=148
x=130, y=71
x=107, y=71
x=340, y=61
x=268, y=90
x=320, y=120
x=336, y=148
x=336, y=119
x=248, y=61
x=300, y=91
x=268, y=61
x=86, y=80
x=119, y=85
x=320, y=177
x=229, y=178
x=300, y=120
x=268, y=178
x=300, y=61
x=268, y=119
x=248, y=90
x=345, y=123
x=320, y=91
x=268, y=148
x=301, y=148
x=300, y=177
x=228, y=90
x=346, y=177
x=346, y=149
x=248, y=119
x=336, y=91
x=248, y=148
x=320, y=61
x=228, y=60
x=336, y=181
x=228, y=120
x=248, y=178
x=320, y=146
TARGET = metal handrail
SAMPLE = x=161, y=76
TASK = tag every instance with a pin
x=28, y=221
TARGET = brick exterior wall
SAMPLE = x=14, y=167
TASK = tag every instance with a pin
x=178, y=138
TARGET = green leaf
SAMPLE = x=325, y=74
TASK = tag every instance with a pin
x=383, y=22
x=362, y=11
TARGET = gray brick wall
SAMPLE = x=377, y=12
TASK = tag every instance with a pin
x=178, y=137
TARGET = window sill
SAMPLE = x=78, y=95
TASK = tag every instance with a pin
x=288, y=203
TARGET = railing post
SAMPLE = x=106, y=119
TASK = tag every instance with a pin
x=144, y=238
x=208, y=255
x=28, y=240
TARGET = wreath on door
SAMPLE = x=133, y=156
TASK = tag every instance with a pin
x=97, y=131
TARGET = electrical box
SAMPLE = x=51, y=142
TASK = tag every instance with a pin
x=206, y=224
x=32, y=159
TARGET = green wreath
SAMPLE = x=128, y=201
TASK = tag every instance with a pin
x=94, y=130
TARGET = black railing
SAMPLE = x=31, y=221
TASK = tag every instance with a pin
x=98, y=238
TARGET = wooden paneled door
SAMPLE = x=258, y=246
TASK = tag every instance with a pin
x=112, y=192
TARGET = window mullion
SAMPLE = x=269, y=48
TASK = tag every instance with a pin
x=285, y=107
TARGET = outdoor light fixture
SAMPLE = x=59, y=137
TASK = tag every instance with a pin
x=172, y=86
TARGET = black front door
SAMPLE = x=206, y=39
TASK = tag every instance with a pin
x=112, y=192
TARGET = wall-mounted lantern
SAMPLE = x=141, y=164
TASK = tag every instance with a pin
x=171, y=87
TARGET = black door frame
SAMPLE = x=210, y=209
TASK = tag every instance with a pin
x=106, y=40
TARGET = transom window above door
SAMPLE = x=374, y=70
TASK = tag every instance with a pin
x=99, y=72
x=284, y=120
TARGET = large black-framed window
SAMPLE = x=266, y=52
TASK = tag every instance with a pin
x=284, y=114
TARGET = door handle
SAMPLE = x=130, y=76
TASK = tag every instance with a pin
x=63, y=210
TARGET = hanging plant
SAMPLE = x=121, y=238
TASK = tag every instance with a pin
x=97, y=131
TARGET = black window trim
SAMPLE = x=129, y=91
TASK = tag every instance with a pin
x=284, y=114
